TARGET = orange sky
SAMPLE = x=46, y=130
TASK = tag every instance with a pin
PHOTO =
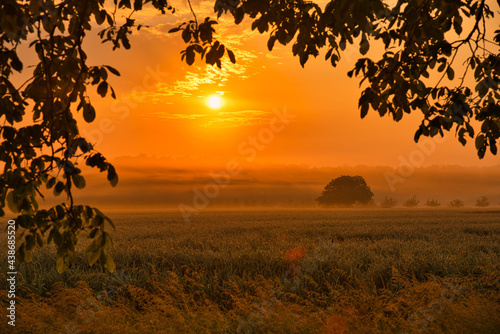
x=166, y=115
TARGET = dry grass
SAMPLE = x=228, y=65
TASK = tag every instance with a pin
x=296, y=271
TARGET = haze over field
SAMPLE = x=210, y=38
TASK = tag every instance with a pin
x=147, y=182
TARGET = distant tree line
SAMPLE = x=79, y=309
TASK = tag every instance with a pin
x=348, y=191
x=412, y=202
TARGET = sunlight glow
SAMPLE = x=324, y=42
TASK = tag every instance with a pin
x=214, y=101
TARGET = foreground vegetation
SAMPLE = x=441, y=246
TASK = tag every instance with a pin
x=293, y=271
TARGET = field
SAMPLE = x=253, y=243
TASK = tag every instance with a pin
x=276, y=271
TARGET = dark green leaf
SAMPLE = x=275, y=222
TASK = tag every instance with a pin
x=450, y=73
x=78, y=181
x=113, y=70
x=102, y=89
x=58, y=189
x=364, y=46
x=112, y=176
x=231, y=56
x=88, y=113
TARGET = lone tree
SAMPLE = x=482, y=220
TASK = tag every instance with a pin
x=345, y=191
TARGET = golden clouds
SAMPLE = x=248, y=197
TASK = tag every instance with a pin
x=239, y=118
x=221, y=119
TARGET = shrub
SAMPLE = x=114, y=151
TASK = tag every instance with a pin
x=432, y=202
x=388, y=202
x=482, y=201
x=456, y=203
x=411, y=202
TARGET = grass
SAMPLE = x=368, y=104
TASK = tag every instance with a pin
x=281, y=271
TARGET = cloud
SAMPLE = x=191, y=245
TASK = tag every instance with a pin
x=239, y=118
x=221, y=119
x=178, y=116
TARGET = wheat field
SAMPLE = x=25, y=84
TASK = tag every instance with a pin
x=276, y=271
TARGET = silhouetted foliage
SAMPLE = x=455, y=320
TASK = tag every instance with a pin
x=388, y=202
x=456, y=203
x=41, y=144
x=411, y=202
x=345, y=191
x=432, y=202
x=420, y=38
x=482, y=201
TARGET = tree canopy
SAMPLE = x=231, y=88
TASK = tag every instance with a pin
x=345, y=191
x=42, y=146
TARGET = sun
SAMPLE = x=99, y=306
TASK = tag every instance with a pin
x=214, y=101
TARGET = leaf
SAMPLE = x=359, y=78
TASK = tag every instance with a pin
x=364, y=46
x=441, y=67
x=112, y=176
x=364, y=110
x=88, y=113
x=12, y=204
x=78, y=181
x=102, y=89
x=457, y=24
x=100, y=17
x=110, y=264
x=232, y=58
x=60, y=265
x=270, y=43
x=51, y=182
x=190, y=55
x=479, y=142
x=239, y=14
x=94, y=256
x=303, y=58
x=58, y=189
x=137, y=5
x=417, y=135
x=461, y=137
x=104, y=73
x=450, y=73
x=16, y=64
x=186, y=35
x=113, y=70
x=482, y=88
x=126, y=43
x=93, y=233
x=493, y=148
